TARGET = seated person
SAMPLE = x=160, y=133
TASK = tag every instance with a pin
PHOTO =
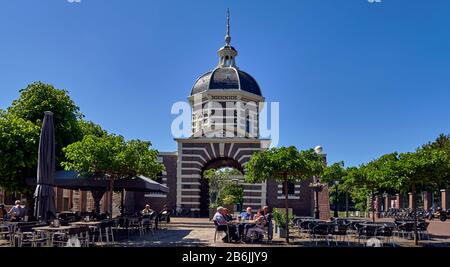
x=260, y=222
x=222, y=225
x=227, y=215
x=268, y=216
x=247, y=214
x=147, y=210
x=15, y=213
x=146, y=216
x=165, y=214
x=3, y=212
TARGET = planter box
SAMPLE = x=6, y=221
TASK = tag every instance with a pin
x=281, y=232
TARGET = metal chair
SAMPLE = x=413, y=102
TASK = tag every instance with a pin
x=386, y=232
x=218, y=232
x=26, y=236
x=340, y=230
x=321, y=231
x=422, y=228
x=6, y=232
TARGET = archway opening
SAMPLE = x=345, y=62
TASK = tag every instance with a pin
x=233, y=171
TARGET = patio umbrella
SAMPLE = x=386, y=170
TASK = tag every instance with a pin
x=44, y=206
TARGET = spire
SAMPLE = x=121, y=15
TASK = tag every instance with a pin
x=228, y=36
x=227, y=53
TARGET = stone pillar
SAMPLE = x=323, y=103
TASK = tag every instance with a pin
x=427, y=200
x=399, y=201
x=445, y=199
x=410, y=200
x=83, y=201
x=324, y=204
x=377, y=206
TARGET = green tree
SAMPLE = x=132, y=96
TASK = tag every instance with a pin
x=233, y=193
x=418, y=170
x=378, y=176
x=112, y=158
x=18, y=152
x=220, y=185
x=90, y=128
x=442, y=142
x=37, y=98
x=351, y=183
x=284, y=164
x=333, y=175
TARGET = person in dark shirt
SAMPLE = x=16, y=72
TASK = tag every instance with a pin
x=227, y=215
x=268, y=217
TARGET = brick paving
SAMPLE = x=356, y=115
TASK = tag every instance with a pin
x=199, y=232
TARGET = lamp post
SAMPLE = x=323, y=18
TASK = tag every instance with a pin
x=316, y=186
x=336, y=201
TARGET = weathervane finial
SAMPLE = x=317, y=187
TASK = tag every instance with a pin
x=228, y=36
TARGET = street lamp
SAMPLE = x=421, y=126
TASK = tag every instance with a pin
x=336, y=202
x=316, y=186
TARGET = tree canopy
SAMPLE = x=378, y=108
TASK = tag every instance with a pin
x=283, y=163
x=222, y=190
x=19, y=140
x=39, y=97
x=111, y=157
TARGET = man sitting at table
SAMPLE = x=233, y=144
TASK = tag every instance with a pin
x=247, y=214
x=222, y=225
x=16, y=212
x=146, y=217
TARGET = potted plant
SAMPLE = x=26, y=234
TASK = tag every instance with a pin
x=280, y=222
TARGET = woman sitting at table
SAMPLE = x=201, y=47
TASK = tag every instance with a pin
x=227, y=215
x=259, y=222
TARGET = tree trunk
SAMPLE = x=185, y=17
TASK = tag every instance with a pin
x=373, y=207
x=414, y=205
x=111, y=187
x=286, y=205
x=346, y=204
x=122, y=208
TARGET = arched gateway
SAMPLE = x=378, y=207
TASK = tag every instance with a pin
x=225, y=106
x=198, y=155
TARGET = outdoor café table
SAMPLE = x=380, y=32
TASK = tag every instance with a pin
x=87, y=223
x=49, y=230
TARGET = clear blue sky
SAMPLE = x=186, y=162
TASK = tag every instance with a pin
x=359, y=79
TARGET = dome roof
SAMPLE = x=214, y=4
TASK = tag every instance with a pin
x=226, y=78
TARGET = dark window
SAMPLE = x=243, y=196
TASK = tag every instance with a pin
x=247, y=125
x=290, y=188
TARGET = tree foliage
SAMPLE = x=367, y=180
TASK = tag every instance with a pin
x=284, y=164
x=111, y=157
x=37, y=98
x=222, y=190
x=18, y=151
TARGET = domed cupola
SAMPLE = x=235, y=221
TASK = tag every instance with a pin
x=226, y=101
x=226, y=76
